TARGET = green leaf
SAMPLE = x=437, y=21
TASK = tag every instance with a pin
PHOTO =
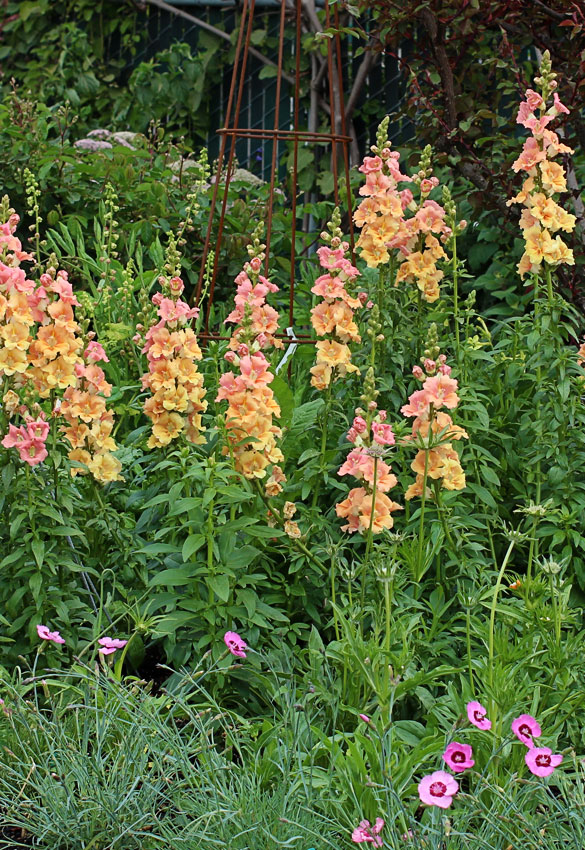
x=174, y=577
x=220, y=585
x=191, y=545
x=285, y=399
x=484, y=495
x=38, y=548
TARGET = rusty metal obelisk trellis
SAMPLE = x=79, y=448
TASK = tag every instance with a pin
x=290, y=13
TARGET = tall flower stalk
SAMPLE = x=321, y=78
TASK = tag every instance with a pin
x=251, y=431
x=49, y=368
x=433, y=431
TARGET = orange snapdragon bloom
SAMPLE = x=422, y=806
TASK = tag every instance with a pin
x=251, y=433
x=40, y=352
x=334, y=316
x=433, y=429
x=385, y=226
x=542, y=216
x=172, y=351
x=368, y=506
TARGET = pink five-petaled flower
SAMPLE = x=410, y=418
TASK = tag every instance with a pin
x=542, y=761
x=235, y=644
x=526, y=728
x=458, y=756
x=44, y=634
x=366, y=833
x=109, y=645
x=476, y=714
x=438, y=789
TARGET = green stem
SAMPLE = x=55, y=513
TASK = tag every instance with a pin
x=370, y=535
x=333, y=600
x=388, y=605
x=422, y=514
x=323, y=449
x=468, y=640
x=534, y=546
x=441, y=512
x=455, y=295
x=493, y=614
x=549, y=286
x=209, y=536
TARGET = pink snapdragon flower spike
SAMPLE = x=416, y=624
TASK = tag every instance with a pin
x=476, y=714
x=526, y=728
x=365, y=833
x=235, y=644
x=541, y=761
x=44, y=634
x=438, y=789
x=109, y=645
x=458, y=756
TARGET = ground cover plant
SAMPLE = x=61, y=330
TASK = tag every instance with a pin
x=253, y=599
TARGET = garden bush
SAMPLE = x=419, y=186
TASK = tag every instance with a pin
x=293, y=596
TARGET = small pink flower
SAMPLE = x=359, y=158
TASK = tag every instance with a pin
x=364, y=717
x=38, y=429
x=383, y=434
x=559, y=107
x=109, y=645
x=33, y=453
x=541, y=761
x=95, y=352
x=526, y=728
x=418, y=373
x=458, y=756
x=235, y=644
x=44, y=634
x=476, y=714
x=176, y=285
x=359, y=424
x=438, y=789
x=367, y=833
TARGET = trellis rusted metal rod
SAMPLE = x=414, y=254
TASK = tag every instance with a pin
x=337, y=139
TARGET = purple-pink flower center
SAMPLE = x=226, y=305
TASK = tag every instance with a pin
x=458, y=757
x=543, y=761
x=478, y=715
x=438, y=789
x=525, y=730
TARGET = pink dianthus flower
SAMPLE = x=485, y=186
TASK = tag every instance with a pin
x=541, y=761
x=44, y=634
x=458, y=756
x=438, y=789
x=365, y=832
x=526, y=728
x=235, y=644
x=476, y=714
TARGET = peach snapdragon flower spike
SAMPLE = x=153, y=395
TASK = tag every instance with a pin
x=251, y=433
x=41, y=355
x=393, y=223
x=371, y=436
x=333, y=317
x=172, y=351
x=433, y=429
x=542, y=217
